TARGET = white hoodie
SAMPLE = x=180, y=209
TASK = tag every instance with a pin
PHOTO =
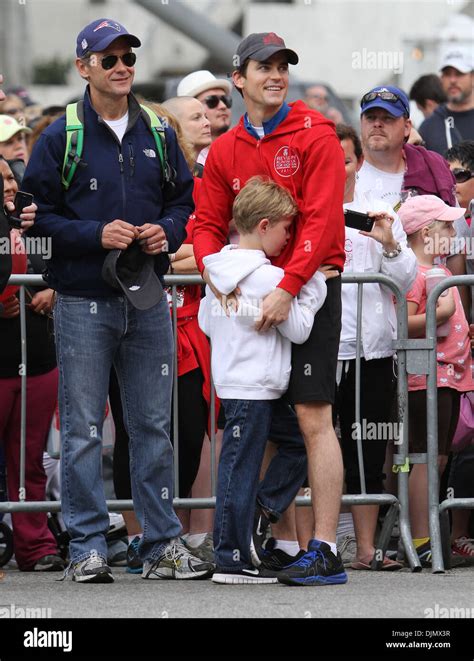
x=247, y=364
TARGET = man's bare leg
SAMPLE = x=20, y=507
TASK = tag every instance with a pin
x=304, y=521
x=325, y=469
x=285, y=528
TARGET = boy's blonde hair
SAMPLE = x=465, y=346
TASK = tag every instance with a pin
x=261, y=197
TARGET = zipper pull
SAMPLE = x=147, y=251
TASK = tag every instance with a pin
x=121, y=162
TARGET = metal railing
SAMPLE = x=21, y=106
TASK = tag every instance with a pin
x=413, y=356
x=438, y=512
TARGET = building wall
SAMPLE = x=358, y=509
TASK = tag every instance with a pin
x=353, y=44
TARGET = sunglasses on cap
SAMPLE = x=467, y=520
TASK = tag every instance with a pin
x=213, y=100
x=109, y=61
x=462, y=175
x=391, y=97
x=12, y=111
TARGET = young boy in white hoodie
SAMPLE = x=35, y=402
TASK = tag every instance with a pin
x=251, y=370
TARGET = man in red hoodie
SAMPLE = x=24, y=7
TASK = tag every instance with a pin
x=298, y=148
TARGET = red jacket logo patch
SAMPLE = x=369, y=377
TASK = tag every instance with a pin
x=286, y=162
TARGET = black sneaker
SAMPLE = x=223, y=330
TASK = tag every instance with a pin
x=50, y=562
x=425, y=556
x=134, y=562
x=242, y=576
x=261, y=522
x=319, y=566
x=275, y=560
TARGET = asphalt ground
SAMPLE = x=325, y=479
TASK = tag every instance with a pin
x=377, y=604
x=366, y=595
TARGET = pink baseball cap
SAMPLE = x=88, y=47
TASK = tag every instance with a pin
x=421, y=210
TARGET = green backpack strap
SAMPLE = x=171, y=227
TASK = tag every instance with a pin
x=158, y=131
x=74, y=141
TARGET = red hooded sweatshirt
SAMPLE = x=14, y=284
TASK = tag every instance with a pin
x=303, y=154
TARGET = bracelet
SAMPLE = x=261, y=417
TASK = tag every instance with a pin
x=392, y=253
x=172, y=256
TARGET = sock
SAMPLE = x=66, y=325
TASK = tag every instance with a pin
x=195, y=540
x=291, y=548
x=419, y=542
x=345, y=525
x=132, y=537
x=333, y=545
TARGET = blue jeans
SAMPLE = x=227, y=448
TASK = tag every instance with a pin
x=91, y=335
x=249, y=425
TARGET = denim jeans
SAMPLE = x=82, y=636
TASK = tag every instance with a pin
x=249, y=425
x=91, y=335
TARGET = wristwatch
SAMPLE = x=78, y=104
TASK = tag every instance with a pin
x=392, y=253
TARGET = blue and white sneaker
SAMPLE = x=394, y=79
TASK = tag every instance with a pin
x=319, y=566
x=134, y=562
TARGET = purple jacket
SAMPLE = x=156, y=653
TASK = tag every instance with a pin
x=428, y=173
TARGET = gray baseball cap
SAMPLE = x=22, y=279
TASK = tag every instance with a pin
x=262, y=45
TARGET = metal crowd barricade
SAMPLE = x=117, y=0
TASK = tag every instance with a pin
x=413, y=356
x=438, y=512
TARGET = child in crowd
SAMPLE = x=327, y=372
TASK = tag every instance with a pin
x=251, y=370
x=428, y=222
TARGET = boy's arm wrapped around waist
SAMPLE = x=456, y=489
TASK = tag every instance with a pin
x=299, y=324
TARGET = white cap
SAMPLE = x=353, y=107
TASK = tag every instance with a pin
x=200, y=81
x=458, y=57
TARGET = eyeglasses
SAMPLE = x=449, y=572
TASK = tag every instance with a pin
x=213, y=100
x=462, y=175
x=385, y=96
x=109, y=61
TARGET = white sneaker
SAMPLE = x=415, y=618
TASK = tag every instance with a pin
x=244, y=576
x=176, y=562
x=347, y=547
x=93, y=569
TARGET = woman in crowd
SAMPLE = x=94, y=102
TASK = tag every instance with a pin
x=34, y=545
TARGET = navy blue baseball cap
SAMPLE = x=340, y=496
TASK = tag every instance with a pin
x=99, y=34
x=391, y=99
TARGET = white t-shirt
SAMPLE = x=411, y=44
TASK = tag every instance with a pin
x=259, y=130
x=201, y=159
x=118, y=126
x=385, y=186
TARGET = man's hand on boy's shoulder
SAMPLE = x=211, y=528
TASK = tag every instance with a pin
x=276, y=308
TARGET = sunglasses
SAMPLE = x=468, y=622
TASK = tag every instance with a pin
x=385, y=96
x=213, y=100
x=462, y=175
x=109, y=61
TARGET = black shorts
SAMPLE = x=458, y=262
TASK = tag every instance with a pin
x=448, y=414
x=314, y=363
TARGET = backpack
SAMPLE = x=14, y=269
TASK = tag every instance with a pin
x=75, y=142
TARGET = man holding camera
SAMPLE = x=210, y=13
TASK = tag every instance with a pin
x=121, y=194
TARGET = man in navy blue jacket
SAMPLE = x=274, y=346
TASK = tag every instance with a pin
x=117, y=196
